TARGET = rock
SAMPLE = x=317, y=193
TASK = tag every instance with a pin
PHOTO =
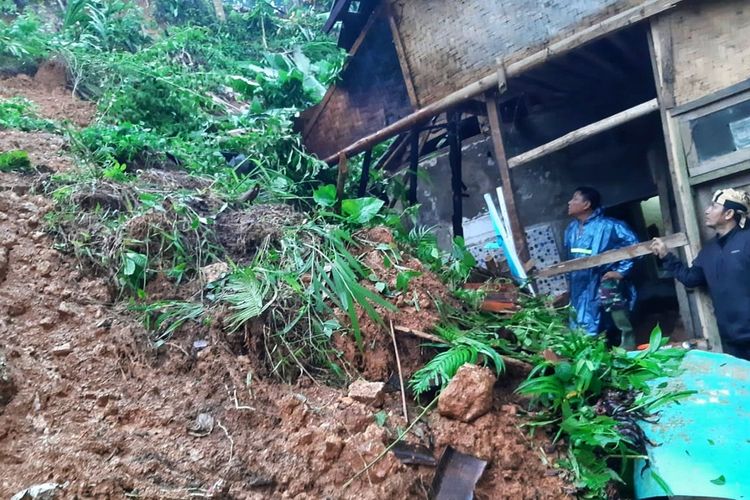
x=332, y=448
x=62, y=349
x=46, y=491
x=7, y=386
x=213, y=272
x=468, y=395
x=369, y=393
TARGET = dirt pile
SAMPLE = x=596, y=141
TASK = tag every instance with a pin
x=48, y=90
x=98, y=408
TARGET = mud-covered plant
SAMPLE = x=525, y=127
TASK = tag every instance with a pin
x=162, y=319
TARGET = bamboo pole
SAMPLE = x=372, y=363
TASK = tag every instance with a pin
x=585, y=132
x=625, y=18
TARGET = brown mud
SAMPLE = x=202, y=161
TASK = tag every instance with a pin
x=100, y=410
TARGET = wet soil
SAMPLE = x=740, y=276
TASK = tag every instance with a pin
x=99, y=409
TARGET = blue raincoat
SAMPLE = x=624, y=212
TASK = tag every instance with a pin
x=598, y=234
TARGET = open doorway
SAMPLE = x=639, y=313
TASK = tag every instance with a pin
x=626, y=162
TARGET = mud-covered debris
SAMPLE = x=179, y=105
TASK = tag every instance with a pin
x=242, y=231
x=7, y=386
x=468, y=395
x=62, y=349
x=369, y=393
x=414, y=454
x=456, y=476
x=202, y=426
x=3, y=263
x=45, y=491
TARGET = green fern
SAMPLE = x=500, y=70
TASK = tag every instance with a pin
x=441, y=369
x=245, y=295
x=165, y=317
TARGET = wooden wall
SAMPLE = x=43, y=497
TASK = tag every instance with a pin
x=451, y=43
x=711, y=46
x=371, y=94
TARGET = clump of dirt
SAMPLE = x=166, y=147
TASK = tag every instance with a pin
x=241, y=232
x=47, y=89
x=515, y=469
x=415, y=309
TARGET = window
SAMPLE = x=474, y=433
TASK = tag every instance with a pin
x=716, y=130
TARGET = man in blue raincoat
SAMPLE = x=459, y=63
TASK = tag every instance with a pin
x=591, y=233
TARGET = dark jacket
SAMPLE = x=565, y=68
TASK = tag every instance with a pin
x=598, y=234
x=723, y=267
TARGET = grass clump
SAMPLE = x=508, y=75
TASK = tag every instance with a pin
x=15, y=161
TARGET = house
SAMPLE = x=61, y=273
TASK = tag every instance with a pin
x=647, y=100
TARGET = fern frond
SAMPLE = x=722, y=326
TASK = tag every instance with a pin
x=441, y=369
x=245, y=294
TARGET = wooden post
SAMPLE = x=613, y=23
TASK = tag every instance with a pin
x=413, y=166
x=341, y=182
x=661, y=57
x=219, y=9
x=493, y=117
x=365, y=177
x=454, y=157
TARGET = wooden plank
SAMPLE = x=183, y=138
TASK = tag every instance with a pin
x=402, y=61
x=340, y=7
x=413, y=166
x=493, y=117
x=332, y=89
x=454, y=158
x=341, y=182
x=712, y=98
x=365, y=176
x=672, y=241
x=625, y=18
x=585, y=132
x=720, y=173
x=661, y=48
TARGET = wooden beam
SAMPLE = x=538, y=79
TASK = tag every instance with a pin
x=585, y=132
x=672, y=241
x=493, y=117
x=402, y=61
x=454, y=158
x=413, y=166
x=625, y=18
x=365, y=176
x=660, y=47
x=339, y=8
x=341, y=182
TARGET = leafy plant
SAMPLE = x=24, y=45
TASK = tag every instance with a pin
x=17, y=161
x=464, y=347
x=164, y=318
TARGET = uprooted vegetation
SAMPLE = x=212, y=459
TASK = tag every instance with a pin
x=194, y=200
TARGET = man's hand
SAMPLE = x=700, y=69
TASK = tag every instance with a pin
x=612, y=275
x=658, y=248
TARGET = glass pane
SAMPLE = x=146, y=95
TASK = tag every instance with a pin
x=722, y=132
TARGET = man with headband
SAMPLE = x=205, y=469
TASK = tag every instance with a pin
x=723, y=267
